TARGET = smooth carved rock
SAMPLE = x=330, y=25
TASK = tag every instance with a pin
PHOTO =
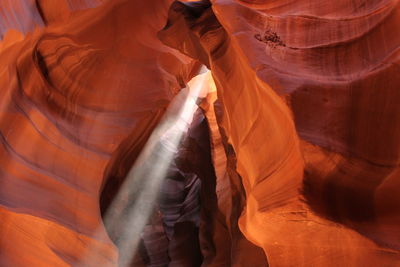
x=320, y=103
x=70, y=95
x=26, y=15
x=302, y=131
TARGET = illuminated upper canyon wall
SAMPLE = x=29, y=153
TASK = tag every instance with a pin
x=306, y=121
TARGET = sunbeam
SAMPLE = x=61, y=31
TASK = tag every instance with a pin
x=135, y=201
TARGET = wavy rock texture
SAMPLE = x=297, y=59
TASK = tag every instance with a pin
x=294, y=161
x=228, y=245
x=26, y=15
x=307, y=86
x=70, y=96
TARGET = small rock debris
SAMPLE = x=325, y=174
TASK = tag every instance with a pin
x=271, y=38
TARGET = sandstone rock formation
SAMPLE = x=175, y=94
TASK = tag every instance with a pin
x=71, y=94
x=26, y=15
x=320, y=62
x=292, y=159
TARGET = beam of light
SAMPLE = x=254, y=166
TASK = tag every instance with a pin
x=135, y=202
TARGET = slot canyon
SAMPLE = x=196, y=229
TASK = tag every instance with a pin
x=212, y=133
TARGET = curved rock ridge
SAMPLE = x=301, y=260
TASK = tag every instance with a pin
x=230, y=247
x=336, y=71
x=309, y=95
x=70, y=95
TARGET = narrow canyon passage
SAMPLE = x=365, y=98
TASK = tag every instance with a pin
x=199, y=133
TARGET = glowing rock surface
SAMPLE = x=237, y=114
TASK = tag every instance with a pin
x=292, y=161
x=306, y=101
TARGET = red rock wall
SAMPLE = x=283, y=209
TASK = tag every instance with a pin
x=305, y=89
x=70, y=95
x=307, y=116
x=26, y=15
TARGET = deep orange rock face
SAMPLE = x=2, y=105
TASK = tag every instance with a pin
x=305, y=90
x=71, y=94
x=292, y=161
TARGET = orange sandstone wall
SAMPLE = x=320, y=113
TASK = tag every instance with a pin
x=70, y=94
x=307, y=116
x=309, y=97
x=26, y=15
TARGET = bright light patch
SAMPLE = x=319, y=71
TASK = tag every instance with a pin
x=149, y=171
